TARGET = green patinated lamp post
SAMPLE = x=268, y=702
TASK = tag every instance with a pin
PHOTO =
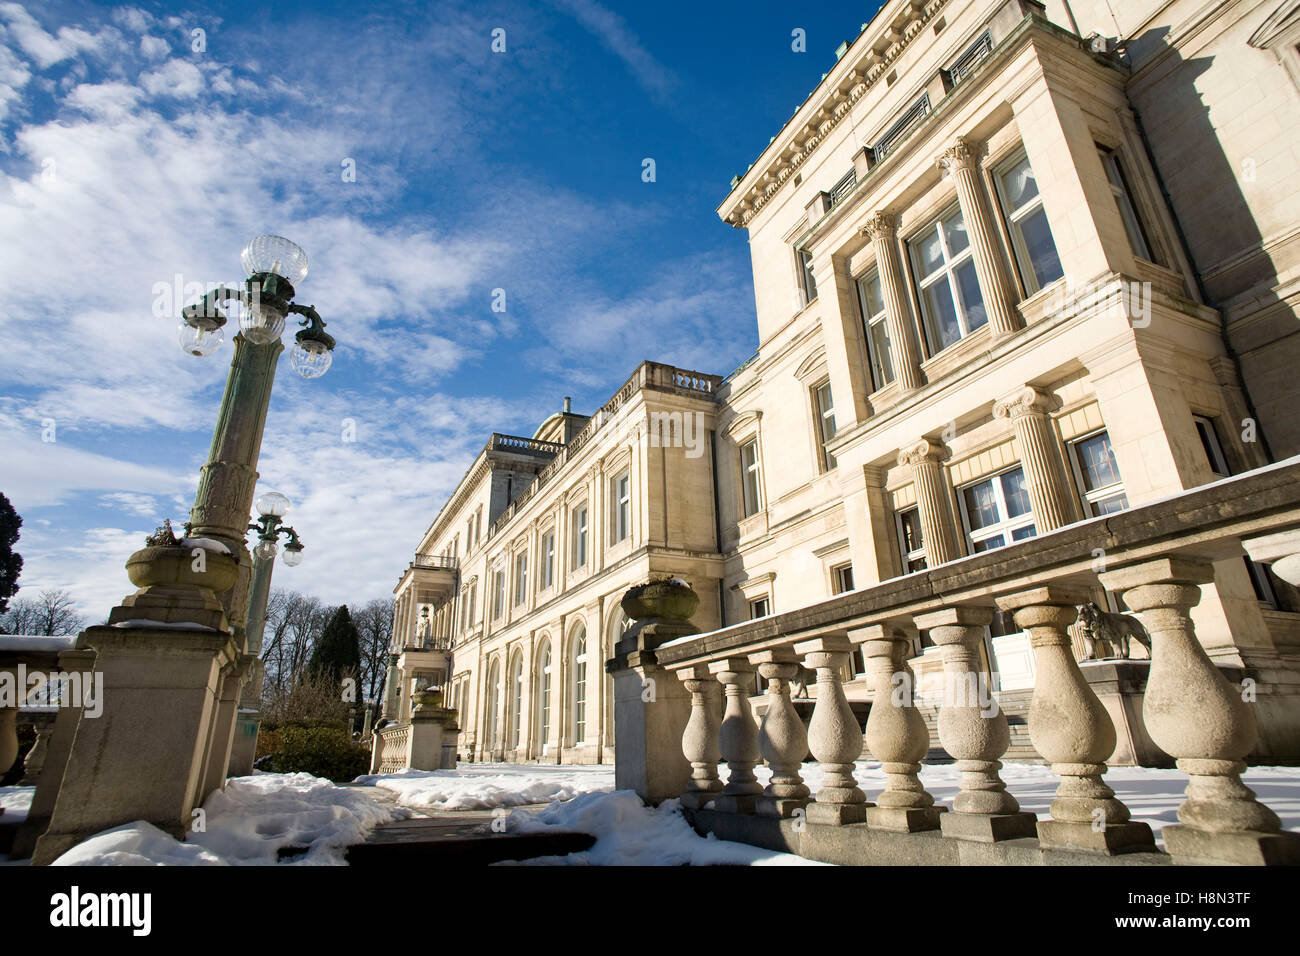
x=271, y=508
x=227, y=480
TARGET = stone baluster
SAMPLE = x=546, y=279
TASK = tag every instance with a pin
x=1071, y=729
x=738, y=736
x=995, y=285
x=973, y=729
x=782, y=740
x=833, y=735
x=700, y=739
x=896, y=733
x=1280, y=550
x=1194, y=714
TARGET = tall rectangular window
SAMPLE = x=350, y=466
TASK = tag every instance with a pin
x=521, y=577
x=875, y=321
x=996, y=510
x=842, y=579
x=580, y=537
x=1098, y=475
x=622, y=487
x=951, y=303
x=469, y=534
x=911, y=544
x=759, y=608
x=1031, y=236
x=749, y=469
x=824, y=407
x=1124, y=201
x=469, y=606
x=548, y=560
x=498, y=592
x=807, y=284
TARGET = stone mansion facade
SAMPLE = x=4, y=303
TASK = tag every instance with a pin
x=1016, y=266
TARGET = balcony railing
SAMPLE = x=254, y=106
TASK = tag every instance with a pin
x=437, y=561
x=902, y=129
x=842, y=188
x=966, y=63
x=530, y=446
x=1158, y=557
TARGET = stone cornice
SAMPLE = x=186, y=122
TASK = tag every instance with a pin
x=862, y=66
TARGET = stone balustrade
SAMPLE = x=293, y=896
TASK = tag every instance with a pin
x=1157, y=557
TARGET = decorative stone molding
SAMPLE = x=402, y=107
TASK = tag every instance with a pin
x=881, y=225
x=1025, y=401
x=958, y=156
x=922, y=451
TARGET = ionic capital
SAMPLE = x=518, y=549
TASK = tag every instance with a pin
x=922, y=451
x=1025, y=401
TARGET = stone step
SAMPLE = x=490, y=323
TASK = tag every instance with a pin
x=462, y=838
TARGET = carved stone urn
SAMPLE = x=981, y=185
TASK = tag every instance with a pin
x=176, y=584
x=669, y=600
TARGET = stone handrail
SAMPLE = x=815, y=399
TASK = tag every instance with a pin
x=390, y=748
x=33, y=654
x=437, y=561
x=1157, y=557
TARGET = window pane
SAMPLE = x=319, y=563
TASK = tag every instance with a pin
x=871, y=296
x=1020, y=534
x=911, y=522
x=942, y=315
x=1015, y=493
x=954, y=233
x=988, y=544
x=930, y=251
x=1097, y=462
x=1037, y=236
x=981, y=505
x=972, y=300
x=1108, y=506
x=882, y=360
x=1019, y=184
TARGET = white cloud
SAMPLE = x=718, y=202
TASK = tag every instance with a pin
x=47, y=49
x=614, y=34
x=176, y=78
x=154, y=48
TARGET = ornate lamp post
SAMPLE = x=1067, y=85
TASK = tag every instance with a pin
x=271, y=508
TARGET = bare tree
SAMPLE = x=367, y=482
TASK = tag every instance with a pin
x=374, y=621
x=49, y=613
x=294, y=621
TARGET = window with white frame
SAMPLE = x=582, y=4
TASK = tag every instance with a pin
x=580, y=536
x=622, y=488
x=759, y=607
x=521, y=577
x=498, y=592
x=579, y=695
x=875, y=321
x=1097, y=472
x=952, y=305
x=473, y=599
x=516, y=700
x=911, y=544
x=469, y=533
x=547, y=576
x=1119, y=188
x=1031, y=236
x=464, y=609
x=807, y=284
x=544, y=698
x=824, y=409
x=996, y=511
x=842, y=578
x=749, y=476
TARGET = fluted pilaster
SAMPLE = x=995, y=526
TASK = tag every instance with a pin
x=937, y=527
x=1027, y=410
x=880, y=229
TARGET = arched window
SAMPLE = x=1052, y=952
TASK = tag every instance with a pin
x=493, y=700
x=516, y=699
x=544, y=697
x=578, y=660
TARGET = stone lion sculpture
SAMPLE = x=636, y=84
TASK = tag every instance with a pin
x=1109, y=633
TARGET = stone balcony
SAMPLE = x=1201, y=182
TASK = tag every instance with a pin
x=1157, y=557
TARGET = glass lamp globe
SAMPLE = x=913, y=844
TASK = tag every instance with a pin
x=275, y=254
x=266, y=551
x=261, y=326
x=199, y=341
x=310, y=359
x=292, y=556
x=272, y=503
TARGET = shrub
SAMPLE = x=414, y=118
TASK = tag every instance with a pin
x=321, y=750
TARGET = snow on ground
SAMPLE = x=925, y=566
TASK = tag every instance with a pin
x=246, y=825
x=628, y=833
x=484, y=786
x=16, y=802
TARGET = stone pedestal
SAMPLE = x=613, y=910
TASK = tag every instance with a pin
x=143, y=757
x=432, y=734
x=651, y=707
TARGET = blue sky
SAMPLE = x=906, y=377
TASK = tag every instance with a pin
x=128, y=157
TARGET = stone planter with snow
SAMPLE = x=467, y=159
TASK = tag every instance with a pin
x=671, y=600
x=178, y=584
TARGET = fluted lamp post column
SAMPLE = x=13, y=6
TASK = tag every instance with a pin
x=271, y=508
